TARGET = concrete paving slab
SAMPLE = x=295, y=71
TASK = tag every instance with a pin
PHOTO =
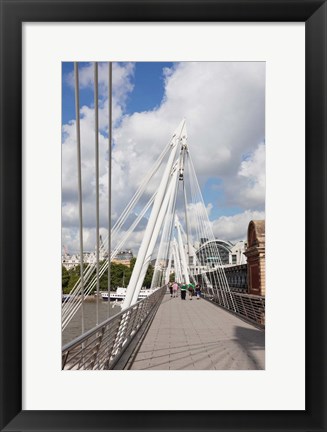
x=198, y=335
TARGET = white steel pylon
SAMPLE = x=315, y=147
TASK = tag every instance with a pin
x=177, y=267
x=161, y=217
x=165, y=243
x=182, y=251
x=150, y=236
x=167, y=274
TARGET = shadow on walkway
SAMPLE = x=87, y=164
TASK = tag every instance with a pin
x=251, y=340
x=199, y=336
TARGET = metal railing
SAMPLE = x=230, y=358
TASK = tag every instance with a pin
x=249, y=306
x=237, y=277
x=100, y=348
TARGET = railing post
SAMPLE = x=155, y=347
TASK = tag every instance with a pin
x=244, y=307
x=96, y=354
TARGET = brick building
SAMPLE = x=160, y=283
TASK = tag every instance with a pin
x=256, y=255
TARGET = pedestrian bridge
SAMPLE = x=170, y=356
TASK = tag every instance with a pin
x=160, y=332
x=199, y=335
x=165, y=333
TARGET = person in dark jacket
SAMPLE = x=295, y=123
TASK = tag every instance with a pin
x=191, y=290
x=198, y=291
x=183, y=291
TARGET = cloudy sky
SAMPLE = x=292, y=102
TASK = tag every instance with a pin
x=224, y=107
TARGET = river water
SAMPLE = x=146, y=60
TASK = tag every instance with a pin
x=74, y=328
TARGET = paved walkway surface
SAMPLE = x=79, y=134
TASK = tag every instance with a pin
x=197, y=335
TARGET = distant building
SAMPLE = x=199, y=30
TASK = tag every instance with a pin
x=123, y=257
x=220, y=252
x=163, y=263
x=71, y=261
x=236, y=256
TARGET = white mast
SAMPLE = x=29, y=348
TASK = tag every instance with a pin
x=177, y=267
x=135, y=281
x=168, y=269
x=182, y=251
x=160, y=219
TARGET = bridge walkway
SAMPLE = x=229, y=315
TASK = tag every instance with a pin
x=198, y=335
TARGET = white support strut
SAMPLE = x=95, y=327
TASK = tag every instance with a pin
x=182, y=252
x=134, y=281
x=167, y=276
x=178, y=274
x=159, y=222
x=164, y=247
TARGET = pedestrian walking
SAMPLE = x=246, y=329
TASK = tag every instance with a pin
x=191, y=290
x=171, y=289
x=198, y=291
x=175, y=289
x=183, y=291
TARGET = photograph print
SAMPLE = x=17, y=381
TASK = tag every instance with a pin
x=163, y=215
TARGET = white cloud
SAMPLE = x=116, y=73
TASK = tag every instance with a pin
x=122, y=86
x=253, y=171
x=121, y=79
x=247, y=187
x=235, y=227
x=224, y=107
x=223, y=104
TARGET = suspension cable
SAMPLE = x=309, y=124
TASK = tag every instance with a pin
x=96, y=132
x=72, y=304
x=80, y=196
x=71, y=307
x=109, y=176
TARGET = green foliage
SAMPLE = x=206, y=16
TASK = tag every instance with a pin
x=132, y=263
x=74, y=274
x=64, y=278
x=70, y=277
x=120, y=275
x=148, y=276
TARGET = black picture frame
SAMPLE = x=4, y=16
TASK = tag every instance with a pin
x=13, y=14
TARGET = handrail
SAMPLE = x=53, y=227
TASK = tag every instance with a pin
x=249, y=306
x=101, y=347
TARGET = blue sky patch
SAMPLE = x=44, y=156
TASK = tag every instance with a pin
x=213, y=192
x=148, y=89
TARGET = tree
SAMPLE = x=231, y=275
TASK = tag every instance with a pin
x=104, y=282
x=132, y=264
x=148, y=277
x=120, y=275
x=64, y=278
x=74, y=275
